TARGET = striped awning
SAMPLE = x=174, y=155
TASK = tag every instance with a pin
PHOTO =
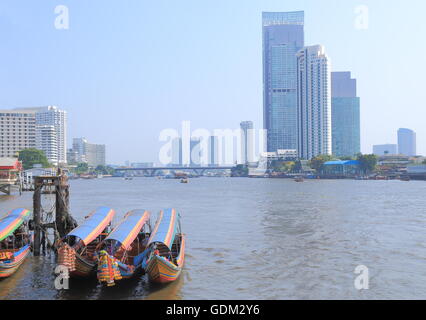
x=12, y=221
x=165, y=228
x=129, y=228
x=93, y=226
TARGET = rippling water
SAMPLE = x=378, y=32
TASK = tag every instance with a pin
x=259, y=239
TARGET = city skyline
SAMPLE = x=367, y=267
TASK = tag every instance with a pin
x=95, y=76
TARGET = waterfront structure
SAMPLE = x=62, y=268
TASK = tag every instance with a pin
x=385, y=149
x=313, y=102
x=341, y=168
x=407, y=142
x=47, y=141
x=345, y=111
x=283, y=37
x=247, y=141
x=56, y=118
x=92, y=154
x=17, y=132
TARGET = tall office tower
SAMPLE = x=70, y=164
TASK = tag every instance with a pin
x=247, y=141
x=53, y=116
x=47, y=141
x=195, y=151
x=283, y=37
x=407, y=142
x=345, y=114
x=385, y=149
x=213, y=151
x=314, y=102
x=17, y=131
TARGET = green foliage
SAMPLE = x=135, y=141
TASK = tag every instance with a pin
x=424, y=162
x=82, y=168
x=30, y=157
x=104, y=170
x=285, y=167
x=317, y=163
x=239, y=171
x=368, y=162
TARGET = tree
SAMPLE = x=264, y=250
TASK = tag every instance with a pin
x=82, y=168
x=104, y=170
x=32, y=156
x=424, y=162
x=317, y=163
x=367, y=162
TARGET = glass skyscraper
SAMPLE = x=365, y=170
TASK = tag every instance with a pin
x=345, y=107
x=407, y=142
x=283, y=37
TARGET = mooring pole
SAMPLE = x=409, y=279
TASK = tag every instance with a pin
x=36, y=212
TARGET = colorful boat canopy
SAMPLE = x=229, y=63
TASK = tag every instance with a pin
x=129, y=228
x=165, y=228
x=12, y=221
x=93, y=226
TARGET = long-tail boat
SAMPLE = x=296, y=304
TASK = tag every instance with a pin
x=15, y=241
x=77, y=250
x=166, y=248
x=121, y=254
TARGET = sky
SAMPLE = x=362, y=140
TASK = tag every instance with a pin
x=126, y=70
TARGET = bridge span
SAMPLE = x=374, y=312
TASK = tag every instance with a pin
x=151, y=171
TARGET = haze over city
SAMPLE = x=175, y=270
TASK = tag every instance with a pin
x=124, y=72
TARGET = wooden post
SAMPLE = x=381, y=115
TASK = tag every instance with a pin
x=37, y=212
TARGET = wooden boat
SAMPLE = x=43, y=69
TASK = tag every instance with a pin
x=166, y=248
x=185, y=180
x=77, y=249
x=299, y=179
x=121, y=254
x=15, y=241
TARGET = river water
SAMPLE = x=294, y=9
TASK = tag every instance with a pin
x=258, y=239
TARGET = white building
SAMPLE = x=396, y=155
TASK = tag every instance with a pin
x=53, y=116
x=407, y=142
x=47, y=141
x=313, y=102
x=247, y=141
x=17, y=131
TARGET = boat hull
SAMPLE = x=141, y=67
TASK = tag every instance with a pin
x=8, y=268
x=83, y=268
x=160, y=270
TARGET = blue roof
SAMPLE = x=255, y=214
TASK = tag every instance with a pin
x=165, y=228
x=342, y=163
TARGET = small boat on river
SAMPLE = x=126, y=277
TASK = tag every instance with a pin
x=15, y=241
x=166, y=248
x=77, y=250
x=121, y=254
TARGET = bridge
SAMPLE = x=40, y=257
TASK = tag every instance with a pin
x=152, y=171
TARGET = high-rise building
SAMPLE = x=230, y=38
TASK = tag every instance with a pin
x=247, y=141
x=17, y=131
x=314, y=102
x=20, y=130
x=47, y=141
x=407, y=142
x=92, y=154
x=176, y=152
x=345, y=111
x=283, y=37
x=195, y=151
x=53, y=116
x=213, y=151
x=385, y=149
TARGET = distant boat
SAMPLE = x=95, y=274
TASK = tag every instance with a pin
x=299, y=179
x=122, y=252
x=166, y=248
x=77, y=249
x=15, y=241
x=185, y=180
x=128, y=178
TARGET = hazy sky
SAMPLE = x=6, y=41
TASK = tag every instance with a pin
x=125, y=70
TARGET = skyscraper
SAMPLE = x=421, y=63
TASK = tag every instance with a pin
x=92, y=154
x=247, y=141
x=314, y=102
x=46, y=141
x=345, y=111
x=283, y=37
x=53, y=116
x=407, y=142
